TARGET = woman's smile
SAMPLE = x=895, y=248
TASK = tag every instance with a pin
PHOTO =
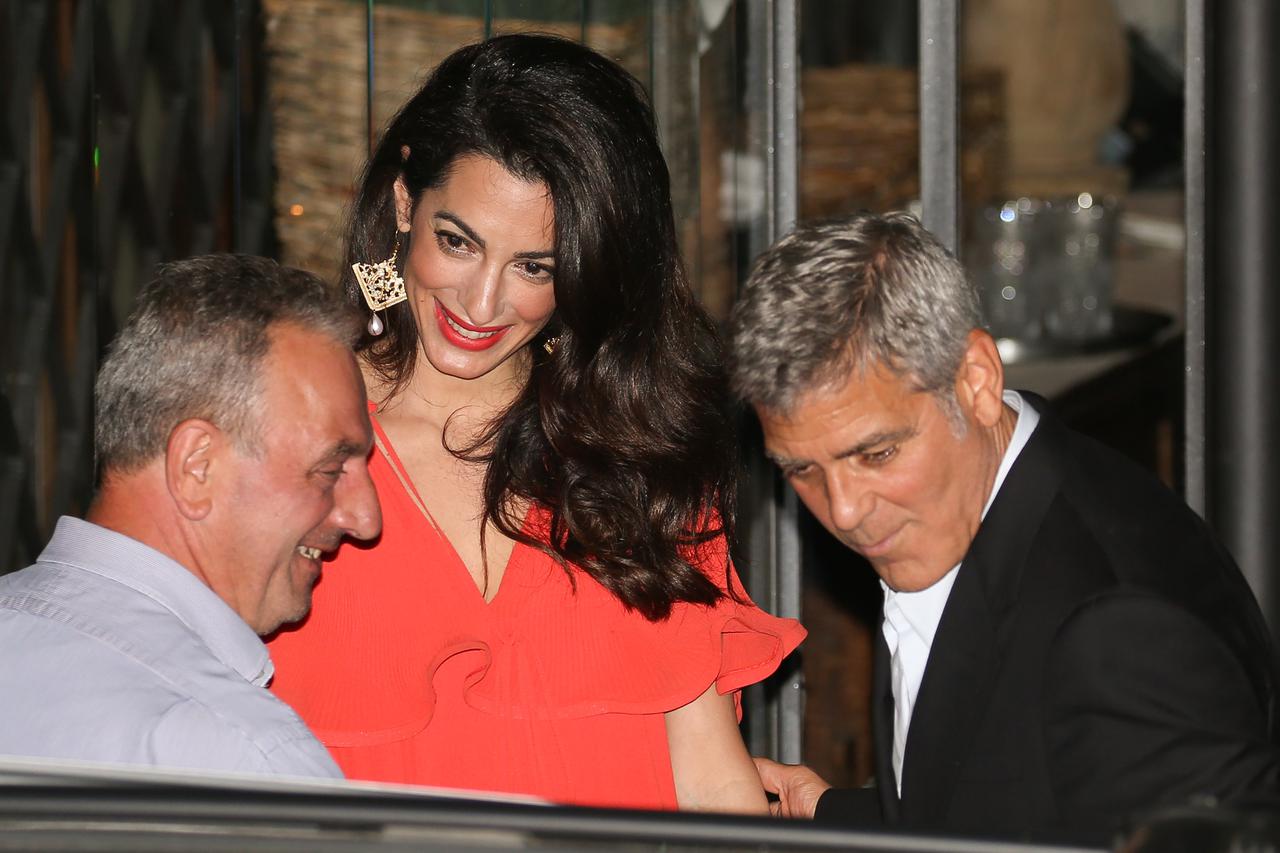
x=465, y=335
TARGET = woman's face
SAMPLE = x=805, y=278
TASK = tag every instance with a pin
x=480, y=266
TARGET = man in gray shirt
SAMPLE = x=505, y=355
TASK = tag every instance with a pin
x=232, y=435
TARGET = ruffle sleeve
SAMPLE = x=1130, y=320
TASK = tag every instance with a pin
x=579, y=652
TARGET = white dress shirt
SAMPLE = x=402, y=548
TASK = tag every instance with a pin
x=911, y=618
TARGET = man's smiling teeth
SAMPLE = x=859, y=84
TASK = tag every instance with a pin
x=309, y=553
x=467, y=333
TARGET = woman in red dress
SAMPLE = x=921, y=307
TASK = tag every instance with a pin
x=551, y=608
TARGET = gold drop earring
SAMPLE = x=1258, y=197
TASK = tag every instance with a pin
x=382, y=286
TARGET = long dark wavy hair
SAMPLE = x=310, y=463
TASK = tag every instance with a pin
x=625, y=432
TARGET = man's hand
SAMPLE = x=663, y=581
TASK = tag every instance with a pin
x=798, y=788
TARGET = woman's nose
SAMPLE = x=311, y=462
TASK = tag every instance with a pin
x=482, y=297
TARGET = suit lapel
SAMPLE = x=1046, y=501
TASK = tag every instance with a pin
x=965, y=657
x=882, y=730
x=949, y=707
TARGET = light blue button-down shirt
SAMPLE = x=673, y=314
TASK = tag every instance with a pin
x=112, y=652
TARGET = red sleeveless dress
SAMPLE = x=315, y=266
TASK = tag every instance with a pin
x=408, y=675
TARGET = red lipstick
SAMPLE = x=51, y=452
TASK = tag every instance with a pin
x=447, y=320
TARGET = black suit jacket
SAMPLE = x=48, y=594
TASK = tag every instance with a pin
x=1099, y=654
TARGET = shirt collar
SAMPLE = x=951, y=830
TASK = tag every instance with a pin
x=114, y=556
x=921, y=611
x=1028, y=417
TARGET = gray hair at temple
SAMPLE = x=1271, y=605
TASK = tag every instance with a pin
x=193, y=348
x=843, y=295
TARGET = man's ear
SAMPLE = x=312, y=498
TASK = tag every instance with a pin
x=188, y=462
x=980, y=380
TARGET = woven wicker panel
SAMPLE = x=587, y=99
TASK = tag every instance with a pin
x=860, y=134
x=318, y=60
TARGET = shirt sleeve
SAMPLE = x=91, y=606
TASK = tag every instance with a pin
x=192, y=735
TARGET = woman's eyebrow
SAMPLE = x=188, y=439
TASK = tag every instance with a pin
x=450, y=216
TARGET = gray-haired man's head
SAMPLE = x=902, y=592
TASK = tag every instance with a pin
x=841, y=296
x=194, y=348
x=879, y=398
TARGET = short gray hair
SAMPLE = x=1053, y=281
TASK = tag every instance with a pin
x=843, y=295
x=193, y=348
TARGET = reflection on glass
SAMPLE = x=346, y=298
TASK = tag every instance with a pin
x=1080, y=251
x=1003, y=258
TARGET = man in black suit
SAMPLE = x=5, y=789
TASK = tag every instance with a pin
x=1063, y=641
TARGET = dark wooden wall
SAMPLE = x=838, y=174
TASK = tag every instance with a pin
x=131, y=132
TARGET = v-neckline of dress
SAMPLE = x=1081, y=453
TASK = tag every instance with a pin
x=384, y=446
